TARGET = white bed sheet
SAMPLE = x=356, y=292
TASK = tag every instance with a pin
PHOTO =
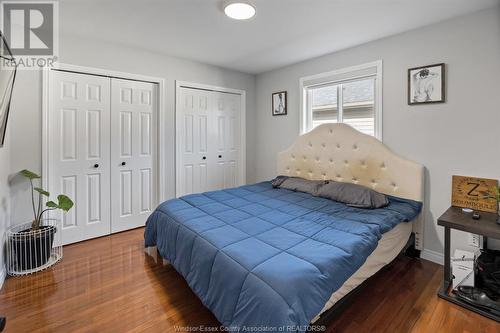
x=388, y=248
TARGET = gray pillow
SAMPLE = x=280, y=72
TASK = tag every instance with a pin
x=352, y=195
x=276, y=182
x=298, y=184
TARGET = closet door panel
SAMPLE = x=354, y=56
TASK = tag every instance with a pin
x=194, y=142
x=226, y=112
x=146, y=190
x=145, y=133
x=94, y=189
x=208, y=140
x=79, y=116
x=132, y=178
x=125, y=134
x=94, y=136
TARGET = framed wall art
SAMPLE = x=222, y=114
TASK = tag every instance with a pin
x=279, y=103
x=426, y=84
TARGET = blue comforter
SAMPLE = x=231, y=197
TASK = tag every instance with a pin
x=265, y=258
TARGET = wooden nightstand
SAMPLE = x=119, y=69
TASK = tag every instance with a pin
x=487, y=226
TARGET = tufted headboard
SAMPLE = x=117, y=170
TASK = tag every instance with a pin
x=341, y=153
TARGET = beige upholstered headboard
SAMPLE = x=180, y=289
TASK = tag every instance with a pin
x=341, y=153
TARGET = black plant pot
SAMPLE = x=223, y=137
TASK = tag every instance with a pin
x=32, y=248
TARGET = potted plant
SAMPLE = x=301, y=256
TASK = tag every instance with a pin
x=33, y=246
x=497, y=197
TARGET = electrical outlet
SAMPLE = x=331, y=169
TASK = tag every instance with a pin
x=474, y=240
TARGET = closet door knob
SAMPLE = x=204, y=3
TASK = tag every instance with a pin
x=220, y=156
x=96, y=165
x=204, y=157
x=123, y=163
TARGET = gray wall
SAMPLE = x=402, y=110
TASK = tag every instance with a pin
x=461, y=136
x=25, y=125
x=4, y=198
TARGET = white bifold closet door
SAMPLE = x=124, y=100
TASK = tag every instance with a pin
x=208, y=135
x=101, y=138
x=132, y=143
x=79, y=167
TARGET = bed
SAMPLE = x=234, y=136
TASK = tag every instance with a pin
x=269, y=259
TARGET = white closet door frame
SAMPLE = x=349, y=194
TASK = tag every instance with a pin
x=178, y=126
x=160, y=159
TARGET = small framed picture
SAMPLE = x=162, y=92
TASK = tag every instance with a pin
x=279, y=103
x=426, y=84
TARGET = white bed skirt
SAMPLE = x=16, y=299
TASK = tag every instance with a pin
x=388, y=248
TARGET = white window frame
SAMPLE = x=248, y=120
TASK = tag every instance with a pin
x=332, y=77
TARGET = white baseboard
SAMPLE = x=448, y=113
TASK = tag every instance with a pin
x=433, y=256
x=3, y=275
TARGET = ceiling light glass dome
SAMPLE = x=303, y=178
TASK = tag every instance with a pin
x=239, y=10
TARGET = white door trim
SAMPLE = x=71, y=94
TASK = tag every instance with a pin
x=160, y=150
x=178, y=124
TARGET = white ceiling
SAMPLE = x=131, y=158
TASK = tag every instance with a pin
x=283, y=31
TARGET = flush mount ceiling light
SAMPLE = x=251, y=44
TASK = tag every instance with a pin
x=239, y=10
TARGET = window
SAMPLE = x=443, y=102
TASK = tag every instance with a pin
x=350, y=96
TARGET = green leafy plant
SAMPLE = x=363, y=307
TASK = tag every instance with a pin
x=494, y=196
x=63, y=203
x=489, y=195
x=497, y=194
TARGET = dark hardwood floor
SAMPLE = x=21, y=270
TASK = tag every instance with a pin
x=110, y=285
